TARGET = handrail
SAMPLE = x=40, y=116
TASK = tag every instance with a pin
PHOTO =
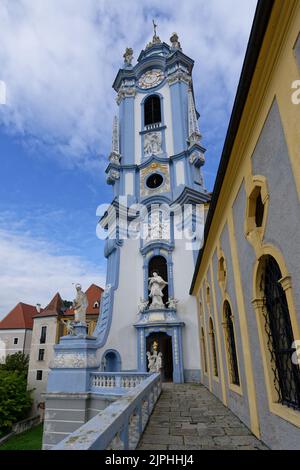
x=121, y=424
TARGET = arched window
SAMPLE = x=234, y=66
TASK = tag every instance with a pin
x=230, y=345
x=222, y=270
x=280, y=338
x=203, y=348
x=207, y=294
x=152, y=111
x=213, y=348
x=259, y=210
x=158, y=264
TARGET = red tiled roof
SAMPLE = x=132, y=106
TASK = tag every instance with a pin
x=20, y=317
x=94, y=295
x=54, y=308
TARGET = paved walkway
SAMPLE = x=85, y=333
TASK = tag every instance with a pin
x=188, y=416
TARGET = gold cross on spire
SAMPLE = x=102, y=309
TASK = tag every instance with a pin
x=154, y=27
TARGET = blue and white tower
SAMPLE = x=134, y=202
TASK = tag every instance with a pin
x=155, y=172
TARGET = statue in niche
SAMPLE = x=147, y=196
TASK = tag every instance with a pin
x=154, y=359
x=80, y=304
x=156, y=285
x=152, y=143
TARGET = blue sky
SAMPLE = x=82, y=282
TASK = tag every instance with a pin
x=58, y=59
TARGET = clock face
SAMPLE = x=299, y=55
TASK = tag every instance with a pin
x=151, y=78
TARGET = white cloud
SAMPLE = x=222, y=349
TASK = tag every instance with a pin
x=33, y=270
x=58, y=59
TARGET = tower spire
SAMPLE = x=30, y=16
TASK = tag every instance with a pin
x=194, y=133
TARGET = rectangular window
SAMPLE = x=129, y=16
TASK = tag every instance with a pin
x=16, y=340
x=41, y=354
x=43, y=335
x=39, y=375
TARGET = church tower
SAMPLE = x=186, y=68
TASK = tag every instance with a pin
x=155, y=222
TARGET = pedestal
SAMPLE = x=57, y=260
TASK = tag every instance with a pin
x=74, y=358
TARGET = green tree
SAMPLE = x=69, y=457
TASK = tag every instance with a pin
x=16, y=362
x=15, y=400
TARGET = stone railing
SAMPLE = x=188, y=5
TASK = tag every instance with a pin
x=150, y=127
x=121, y=424
x=115, y=382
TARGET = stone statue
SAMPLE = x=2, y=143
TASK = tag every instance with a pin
x=80, y=304
x=156, y=285
x=154, y=359
x=69, y=326
x=172, y=303
x=142, y=305
x=174, y=41
x=128, y=56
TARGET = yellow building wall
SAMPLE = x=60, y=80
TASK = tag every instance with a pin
x=275, y=73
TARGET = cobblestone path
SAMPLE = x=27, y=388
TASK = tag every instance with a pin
x=188, y=416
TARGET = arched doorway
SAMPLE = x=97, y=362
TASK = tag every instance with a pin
x=158, y=264
x=165, y=347
x=111, y=361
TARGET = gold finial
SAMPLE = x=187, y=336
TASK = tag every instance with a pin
x=155, y=345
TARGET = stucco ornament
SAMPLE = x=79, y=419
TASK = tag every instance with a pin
x=80, y=304
x=156, y=285
x=128, y=56
x=154, y=359
x=152, y=143
x=172, y=303
x=143, y=304
x=74, y=360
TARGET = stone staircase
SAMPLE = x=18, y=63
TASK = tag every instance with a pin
x=188, y=416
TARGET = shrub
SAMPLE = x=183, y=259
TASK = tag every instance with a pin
x=15, y=400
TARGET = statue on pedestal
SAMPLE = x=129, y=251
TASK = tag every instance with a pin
x=156, y=285
x=80, y=304
x=154, y=359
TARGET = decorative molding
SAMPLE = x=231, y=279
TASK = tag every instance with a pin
x=114, y=156
x=286, y=282
x=125, y=92
x=152, y=144
x=179, y=76
x=113, y=176
x=64, y=360
x=194, y=133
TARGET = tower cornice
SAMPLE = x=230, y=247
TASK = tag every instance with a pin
x=169, y=59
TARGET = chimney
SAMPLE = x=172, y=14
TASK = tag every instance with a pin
x=38, y=307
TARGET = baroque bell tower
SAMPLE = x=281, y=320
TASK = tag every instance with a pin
x=155, y=222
